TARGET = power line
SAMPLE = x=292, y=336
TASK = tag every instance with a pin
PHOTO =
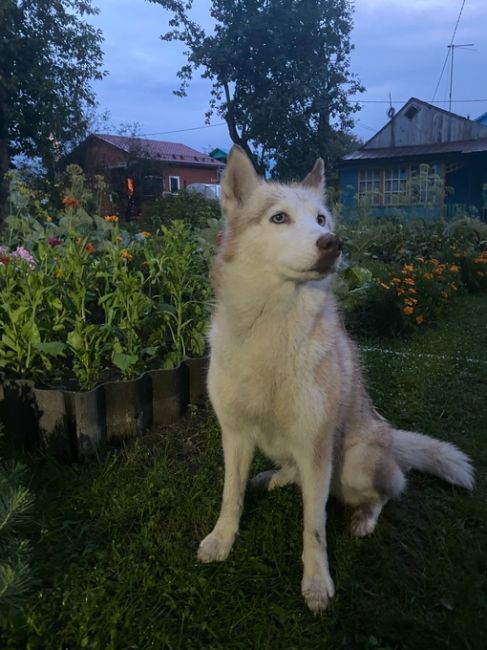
x=449, y=49
x=193, y=128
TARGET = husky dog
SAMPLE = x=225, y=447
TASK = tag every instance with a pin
x=284, y=376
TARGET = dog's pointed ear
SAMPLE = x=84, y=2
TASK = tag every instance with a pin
x=238, y=182
x=315, y=180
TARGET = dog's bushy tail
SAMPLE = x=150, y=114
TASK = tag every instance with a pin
x=417, y=451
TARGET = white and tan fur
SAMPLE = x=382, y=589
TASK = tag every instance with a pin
x=284, y=376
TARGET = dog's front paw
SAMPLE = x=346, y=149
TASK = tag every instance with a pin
x=317, y=593
x=214, y=549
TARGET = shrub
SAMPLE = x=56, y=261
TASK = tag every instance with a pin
x=191, y=207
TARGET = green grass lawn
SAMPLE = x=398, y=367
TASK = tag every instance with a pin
x=115, y=540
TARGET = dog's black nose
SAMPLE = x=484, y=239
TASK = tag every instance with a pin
x=329, y=243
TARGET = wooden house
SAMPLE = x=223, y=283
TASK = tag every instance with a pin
x=140, y=171
x=425, y=162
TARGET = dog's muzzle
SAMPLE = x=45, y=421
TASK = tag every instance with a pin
x=329, y=249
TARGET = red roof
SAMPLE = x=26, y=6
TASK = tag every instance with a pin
x=159, y=150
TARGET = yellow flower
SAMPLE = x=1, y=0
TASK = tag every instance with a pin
x=112, y=218
x=408, y=268
x=409, y=281
x=419, y=319
x=146, y=233
x=408, y=310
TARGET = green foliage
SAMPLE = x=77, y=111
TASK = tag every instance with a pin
x=191, y=207
x=281, y=62
x=81, y=307
x=415, y=268
x=49, y=56
x=16, y=503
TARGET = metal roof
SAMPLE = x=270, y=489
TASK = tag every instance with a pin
x=173, y=152
x=459, y=147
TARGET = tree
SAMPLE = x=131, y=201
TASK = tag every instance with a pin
x=280, y=71
x=48, y=57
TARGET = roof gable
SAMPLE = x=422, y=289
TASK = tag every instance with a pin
x=420, y=123
x=173, y=152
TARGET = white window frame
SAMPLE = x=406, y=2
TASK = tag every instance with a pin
x=178, y=181
x=369, y=186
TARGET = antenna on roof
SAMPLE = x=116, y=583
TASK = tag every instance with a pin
x=452, y=47
x=391, y=111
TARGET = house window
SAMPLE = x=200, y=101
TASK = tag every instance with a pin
x=425, y=185
x=152, y=186
x=412, y=185
x=174, y=184
x=395, y=179
x=369, y=185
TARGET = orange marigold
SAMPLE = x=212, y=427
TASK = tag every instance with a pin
x=454, y=268
x=146, y=233
x=419, y=319
x=89, y=248
x=408, y=268
x=408, y=310
x=112, y=218
x=71, y=202
x=409, y=281
x=126, y=255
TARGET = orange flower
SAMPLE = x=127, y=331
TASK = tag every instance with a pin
x=89, y=248
x=410, y=301
x=419, y=319
x=434, y=261
x=146, y=233
x=408, y=310
x=419, y=258
x=412, y=290
x=454, y=268
x=428, y=276
x=112, y=218
x=396, y=280
x=408, y=268
x=409, y=281
x=71, y=202
x=126, y=255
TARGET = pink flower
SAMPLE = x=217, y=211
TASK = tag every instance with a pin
x=22, y=253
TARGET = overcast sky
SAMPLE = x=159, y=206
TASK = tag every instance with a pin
x=400, y=48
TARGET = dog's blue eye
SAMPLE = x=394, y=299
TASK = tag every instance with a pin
x=280, y=217
x=321, y=219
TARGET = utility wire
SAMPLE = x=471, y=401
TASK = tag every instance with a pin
x=449, y=49
x=359, y=101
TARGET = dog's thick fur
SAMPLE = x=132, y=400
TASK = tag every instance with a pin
x=285, y=377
